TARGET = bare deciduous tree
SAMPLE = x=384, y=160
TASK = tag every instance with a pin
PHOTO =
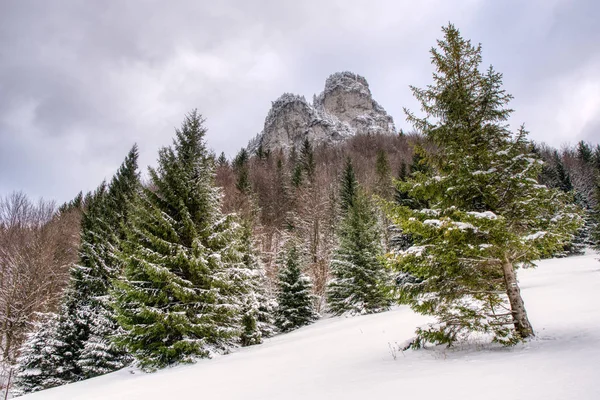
x=37, y=247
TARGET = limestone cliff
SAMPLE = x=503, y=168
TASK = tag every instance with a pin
x=344, y=108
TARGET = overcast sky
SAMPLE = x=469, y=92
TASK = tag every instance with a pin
x=82, y=81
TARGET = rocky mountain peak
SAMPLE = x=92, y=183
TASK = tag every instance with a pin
x=344, y=108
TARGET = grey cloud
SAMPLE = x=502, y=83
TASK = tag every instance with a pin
x=80, y=82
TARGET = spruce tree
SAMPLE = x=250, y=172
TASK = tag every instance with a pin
x=180, y=295
x=348, y=187
x=222, y=160
x=307, y=159
x=240, y=164
x=563, y=180
x=258, y=306
x=419, y=162
x=295, y=300
x=584, y=152
x=85, y=321
x=67, y=332
x=596, y=160
x=360, y=281
x=297, y=176
x=487, y=215
x=38, y=359
x=75, y=204
x=548, y=174
x=99, y=355
x=400, y=240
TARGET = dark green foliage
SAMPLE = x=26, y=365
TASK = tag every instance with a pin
x=75, y=204
x=99, y=355
x=584, y=152
x=295, y=300
x=402, y=173
x=297, y=176
x=360, y=283
x=241, y=159
x=398, y=239
x=80, y=345
x=563, y=180
x=418, y=161
x=258, y=307
x=240, y=166
x=222, y=161
x=596, y=160
x=307, y=160
x=485, y=212
x=243, y=181
x=348, y=187
x=181, y=292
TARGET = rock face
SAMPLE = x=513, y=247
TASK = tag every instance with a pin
x=344, y=108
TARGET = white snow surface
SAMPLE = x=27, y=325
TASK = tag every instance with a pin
x=350, y=358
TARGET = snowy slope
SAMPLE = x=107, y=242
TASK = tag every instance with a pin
x=350, y=358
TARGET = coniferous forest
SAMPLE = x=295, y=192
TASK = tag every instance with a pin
x=211, y=253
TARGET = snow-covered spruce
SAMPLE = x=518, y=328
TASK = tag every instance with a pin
x=483, y=213
x=36, y=369
x=360, y=283
x=258, y=306
x=295, y=299
x=85, y=321
x=99, y=355
x=185, y=283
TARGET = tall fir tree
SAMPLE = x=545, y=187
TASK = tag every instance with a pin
x=258, y=307
x=222, y=161
x=348, y=187
x=400, y=240
x=596, y=159
x=240, y=166
x=563, y=180
x=307, y=160
x=75, y=204
x=487, y=214
x=297, y=177
x=181, y=293
x=360, y=282
x=99, y=354
x=585, y=153
x=81, y=346
x=295, y=299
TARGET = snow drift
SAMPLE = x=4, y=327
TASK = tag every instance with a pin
x=358, y=358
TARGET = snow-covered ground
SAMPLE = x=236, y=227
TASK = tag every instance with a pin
x=351, y=358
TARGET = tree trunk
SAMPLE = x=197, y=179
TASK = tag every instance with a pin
x=517, y=306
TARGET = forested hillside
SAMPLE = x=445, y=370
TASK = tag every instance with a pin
x=209, y=253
